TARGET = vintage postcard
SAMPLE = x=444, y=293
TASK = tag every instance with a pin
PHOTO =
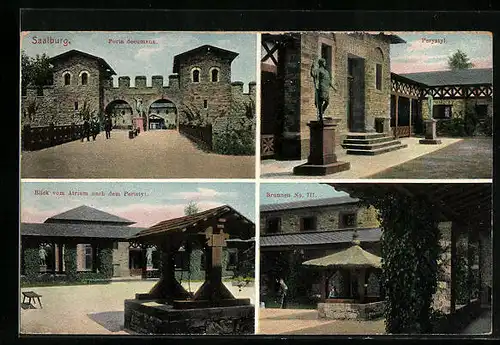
x=138, y=104
x=410, y=105
x=364, y=259
x=137, y=258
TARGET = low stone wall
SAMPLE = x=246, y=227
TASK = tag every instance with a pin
x=148, y=317
x=351, y=311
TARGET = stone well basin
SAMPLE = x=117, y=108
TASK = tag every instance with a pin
x=351, y=309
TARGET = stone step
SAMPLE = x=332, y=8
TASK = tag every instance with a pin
x=376, y=151
x=368, y=141
x=365, y=135
x=371, y=146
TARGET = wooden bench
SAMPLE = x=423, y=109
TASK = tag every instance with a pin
x=32, y=295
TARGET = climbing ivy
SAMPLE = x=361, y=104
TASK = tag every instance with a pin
x=410, y=250
x=31, y=263
x=106, y=262
x=70, y=261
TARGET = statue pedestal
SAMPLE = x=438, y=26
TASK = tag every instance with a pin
x=430, y=133
x=322, y=159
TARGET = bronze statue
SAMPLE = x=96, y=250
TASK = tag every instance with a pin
x=322, y=83
x=430, y=105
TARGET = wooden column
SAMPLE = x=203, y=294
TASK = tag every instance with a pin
x=60, y=258
x=396, y=110
x=453, y=293
x=323, y=287
x=409, y=116
x=95, y=264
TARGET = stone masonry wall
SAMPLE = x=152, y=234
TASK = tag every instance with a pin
x=216, y=94
x=458, y=106
x=327, y=218
x=121, y=260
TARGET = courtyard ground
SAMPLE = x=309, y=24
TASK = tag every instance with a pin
x=469, y=158
x=152, y=154
x=453, y=159
x=94, y=309
x=306, y=322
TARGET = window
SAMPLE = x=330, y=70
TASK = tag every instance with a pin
x=76, y=105
x=308, y=223
x=88, y=256
x=195, y=75
x=67, y=79
x=273, y=225
x=115, y=245
x=326, y=53
x=347, y=220
x=378, y=76
x=205, y=104
x=232, y=259
x=85, y=78
x=214, y=75
x=441, y=112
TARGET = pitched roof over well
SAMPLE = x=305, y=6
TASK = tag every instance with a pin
x=308, y=203
x=204, y=49
x=83, y=230
x=193, y=223
x=87, y=214
x=473, y=76
x=74, y=52
x=319, y=237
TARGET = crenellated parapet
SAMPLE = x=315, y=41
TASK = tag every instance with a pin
x=141, y=82
x=34, y=91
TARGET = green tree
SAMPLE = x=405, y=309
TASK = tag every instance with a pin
x=35, y=71
x=459, y=60
x=191, y=208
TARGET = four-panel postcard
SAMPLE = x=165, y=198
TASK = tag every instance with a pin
x=254, y=182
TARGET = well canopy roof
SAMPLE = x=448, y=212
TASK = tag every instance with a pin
x=197, y=223
x=352, y=257
x=87, y=214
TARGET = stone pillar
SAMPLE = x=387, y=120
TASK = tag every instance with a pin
x=322, y=159
x=396, y=110
x=430, y=133
x=453, y=248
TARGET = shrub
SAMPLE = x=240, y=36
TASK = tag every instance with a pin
x=235, y=137
x=106, y=262
x=454, y=127
x=31, y=263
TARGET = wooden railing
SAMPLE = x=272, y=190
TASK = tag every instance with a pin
x=201, y=135
x=36, y=138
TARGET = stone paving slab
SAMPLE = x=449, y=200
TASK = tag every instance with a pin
x=361, y=166
x=152, y=154
x=91, y=309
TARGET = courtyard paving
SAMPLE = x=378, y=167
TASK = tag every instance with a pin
x=94, y=309
x=306, y=322
x=152, y=154
x=454, y=158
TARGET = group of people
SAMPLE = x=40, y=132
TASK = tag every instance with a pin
x=93, y=128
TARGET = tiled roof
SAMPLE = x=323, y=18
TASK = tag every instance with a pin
x=202, y=49
x=308, y=203
x=87, y=230
x=100, y=60
x=87, y=214
x=472, y=76
x=182, y=223
x=319, y=237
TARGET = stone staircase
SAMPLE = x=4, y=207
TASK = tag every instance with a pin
x=371, y=144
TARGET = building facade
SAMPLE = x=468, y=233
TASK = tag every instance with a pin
x=199, y=91
x=359, y=64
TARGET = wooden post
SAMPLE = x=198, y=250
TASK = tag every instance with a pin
x=144, y=268
x=453, y=291
x=323, y=287
x=409, y=117
x=60, y=257
x=396, y=110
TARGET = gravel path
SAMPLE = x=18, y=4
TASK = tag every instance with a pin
x=94, y=309
x=152, y=154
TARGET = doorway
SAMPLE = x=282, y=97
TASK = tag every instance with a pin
x=356, y=94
